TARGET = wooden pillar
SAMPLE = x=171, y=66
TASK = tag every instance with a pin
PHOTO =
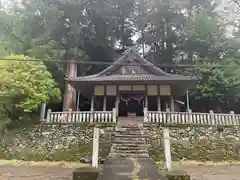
x=146, y=97
x=187, y=94
x=159, y=99
x=105, y=99
x=92, y=102
x=78, y=100
x=117, y=101
x=104, y=103
x=172, y=103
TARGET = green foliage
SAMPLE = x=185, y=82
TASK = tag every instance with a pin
x=176, y=32
x=204, y=37
x=27, y=84
x=217, y=89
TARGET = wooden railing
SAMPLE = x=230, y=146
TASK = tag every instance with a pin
x=191, y=118
x=69, y=117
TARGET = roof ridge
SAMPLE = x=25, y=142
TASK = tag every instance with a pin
x=151, y=64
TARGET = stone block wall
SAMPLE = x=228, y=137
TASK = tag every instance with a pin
x=55, y=143
x=201, y=143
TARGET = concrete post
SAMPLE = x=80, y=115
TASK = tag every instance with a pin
x=167, y=149
x=42, y=111
x=95, y=147
x=190, y=120
x=212, y=120
x=145, y=111
x=114, y=115
x=48, y=115
x=233, y=118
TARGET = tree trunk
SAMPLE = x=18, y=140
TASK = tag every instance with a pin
x=70, y=93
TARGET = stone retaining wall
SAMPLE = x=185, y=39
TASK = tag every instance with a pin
x=196, y=143
x=68, y=143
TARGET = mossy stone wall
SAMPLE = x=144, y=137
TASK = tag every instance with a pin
x=201, y=143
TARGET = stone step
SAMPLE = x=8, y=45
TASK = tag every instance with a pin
x=127, y=148
x=128, y=155
x=130, y=135
x=129, y=151
x=129, y=141
x=129, y=130
x=130, y=145
x=129, y=126
x=134, y=134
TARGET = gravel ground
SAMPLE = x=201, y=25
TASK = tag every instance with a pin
x=214, y=172
x=8, y=172
x=26, y=172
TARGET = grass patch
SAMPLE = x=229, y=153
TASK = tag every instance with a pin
x=62, y=164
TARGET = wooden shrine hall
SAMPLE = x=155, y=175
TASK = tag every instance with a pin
x=131, y=84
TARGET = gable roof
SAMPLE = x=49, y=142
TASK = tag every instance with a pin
x=142, y=61
x=156, y=74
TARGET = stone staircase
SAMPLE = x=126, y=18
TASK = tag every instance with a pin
x=129, y=141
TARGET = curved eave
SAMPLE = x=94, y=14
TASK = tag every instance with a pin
x=131, y=78
x=80, y=83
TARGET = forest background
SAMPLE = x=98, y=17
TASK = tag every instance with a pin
x=191, y=37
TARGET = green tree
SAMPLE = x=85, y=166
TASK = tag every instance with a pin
x=26, y=84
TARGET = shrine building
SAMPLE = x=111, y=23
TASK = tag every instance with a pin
x=131, y=84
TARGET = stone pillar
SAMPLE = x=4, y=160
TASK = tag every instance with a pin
x=114, y=115
x=42, y=111
x=95, y=147
x=145, y=110
x=167, y=149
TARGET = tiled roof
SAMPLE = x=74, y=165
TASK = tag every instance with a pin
x=156, y=74
x=155, y=70
x=140, y=77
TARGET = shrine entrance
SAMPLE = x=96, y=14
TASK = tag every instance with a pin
x=131, y=104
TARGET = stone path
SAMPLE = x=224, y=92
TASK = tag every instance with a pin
x=129, y=169
x=217, y=172
x=129, y=158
